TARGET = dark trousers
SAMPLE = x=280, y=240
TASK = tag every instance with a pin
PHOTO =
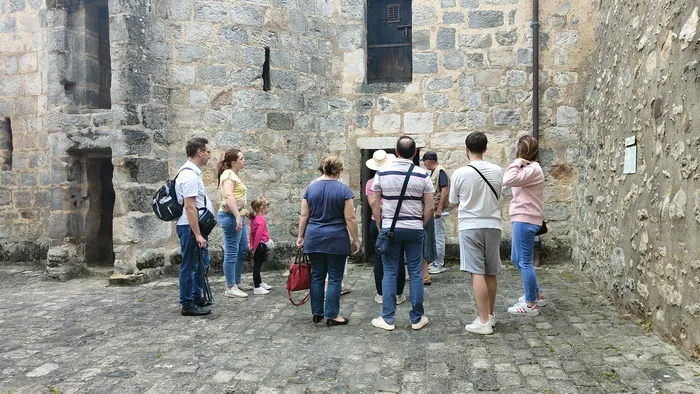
x=379, y=266
x=259, y=258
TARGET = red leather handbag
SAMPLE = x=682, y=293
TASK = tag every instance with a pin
x=299, y=277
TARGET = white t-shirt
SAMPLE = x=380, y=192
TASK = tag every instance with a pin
x=478, y=206
x=190, y=184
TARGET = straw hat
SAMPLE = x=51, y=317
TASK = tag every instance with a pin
x=379, y=158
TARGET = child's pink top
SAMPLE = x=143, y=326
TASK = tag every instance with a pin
x=258, y=232
x=527, y=183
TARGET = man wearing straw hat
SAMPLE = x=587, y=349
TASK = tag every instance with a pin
x=381, y=158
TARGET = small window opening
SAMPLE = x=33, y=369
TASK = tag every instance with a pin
x=266, y=70
x=89, y=72
x=5, y=144
x=393, y=13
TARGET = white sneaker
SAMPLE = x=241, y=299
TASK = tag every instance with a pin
x=421, y=323
x=378, y=299
x=540, y=301
x=478, y=327
x=345, y=289
x=492, y=320
x=265, y=286
x=380, y=323
x=435, y=269
x=524, y=310
x=235, y=292
x=400, y=299
x=244, y=287
x=260, y=291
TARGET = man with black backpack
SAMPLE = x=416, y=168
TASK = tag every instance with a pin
x=476, y=189
x=191, y=194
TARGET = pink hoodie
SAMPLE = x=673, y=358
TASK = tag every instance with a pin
x=527, y=182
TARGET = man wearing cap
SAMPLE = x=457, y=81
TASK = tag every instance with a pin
x=441, y=183
x=379, y=159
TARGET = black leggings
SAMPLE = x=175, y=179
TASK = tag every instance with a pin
x=258, y=259
x=379, y=266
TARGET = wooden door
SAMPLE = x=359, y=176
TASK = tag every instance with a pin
x=389, y=41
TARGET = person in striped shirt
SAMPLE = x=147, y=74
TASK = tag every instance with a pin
x=415, y=212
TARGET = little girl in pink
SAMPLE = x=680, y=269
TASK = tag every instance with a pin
x=260, y=242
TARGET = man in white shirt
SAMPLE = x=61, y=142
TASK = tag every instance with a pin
x=476, y=188
x=190, y=191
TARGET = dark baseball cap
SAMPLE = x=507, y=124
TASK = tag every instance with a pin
x=429, y=156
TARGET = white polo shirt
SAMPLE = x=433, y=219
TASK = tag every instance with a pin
x=189, y=184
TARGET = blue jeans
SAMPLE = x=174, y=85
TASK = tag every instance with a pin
x=411, y=242
x=334, y=266
x=235, y=247
x=191, y=277
x=522, y=252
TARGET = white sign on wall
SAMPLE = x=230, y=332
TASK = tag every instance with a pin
x=630, y=166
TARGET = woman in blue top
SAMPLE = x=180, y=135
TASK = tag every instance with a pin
x=327, y=213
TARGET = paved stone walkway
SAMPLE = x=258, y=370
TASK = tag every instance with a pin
x=84, y=337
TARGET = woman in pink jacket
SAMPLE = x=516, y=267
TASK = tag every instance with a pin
x=526, y=179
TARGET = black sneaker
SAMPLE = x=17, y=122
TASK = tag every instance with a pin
x=202, y=302
x=195, y=311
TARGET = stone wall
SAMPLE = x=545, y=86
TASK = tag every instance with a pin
x=472, y=70
x=637, y=234
x=181, y=69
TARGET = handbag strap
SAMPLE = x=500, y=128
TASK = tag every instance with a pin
x=485, y=180
x=301, y=302
x=401, y=197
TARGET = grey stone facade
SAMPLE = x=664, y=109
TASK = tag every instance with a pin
x=638, y=234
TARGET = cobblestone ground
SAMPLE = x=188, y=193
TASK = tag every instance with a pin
x=82, y=336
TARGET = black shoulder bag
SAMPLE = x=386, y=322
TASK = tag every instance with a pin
x=382, y=244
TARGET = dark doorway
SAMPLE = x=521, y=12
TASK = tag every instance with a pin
x=96, y=212
x=389, y=41
x=365, y=175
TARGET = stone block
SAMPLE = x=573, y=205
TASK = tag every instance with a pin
x=211, y=11
x=280, y=121
x=507, y=117
x=234, y=34
x=137, y=198
x=453, y=60
x=474, y=60
x=333, y=124
x=475, y=41
x=424, y=15
x=352, y=9
x=387, y=123
x=564, y=78
x=8, y=24
x=501, y=58
x=117, y=279
x=138, y=227
x=253, y=56
x=507, y=38
x=448, y=140
x=421, y=40
x=325, y=7
x=448, y=119
x=191, y=53
x=350, y=37
x=496, y=97
x=154, y=118
x=143, y=170
x=213, y=75
x=452, y=18
x=485, y=19
x=284, y=80
x=524, y=57
x=567, y=39
x=567, y=116
x=552, y=96
x=28, y=63
x=12, y=86
x=151, y=259
x=469, y=3
x=445, y=38
x=198, y=97
x=476, y=119
x=248, y=120
x=425, y=63
x=436, y=100
x=434, y=84
x=228, y=139
x=418, y=122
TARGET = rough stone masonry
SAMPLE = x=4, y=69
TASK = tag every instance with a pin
x=98, y=97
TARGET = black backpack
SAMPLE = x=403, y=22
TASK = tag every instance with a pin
x=165, y=204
